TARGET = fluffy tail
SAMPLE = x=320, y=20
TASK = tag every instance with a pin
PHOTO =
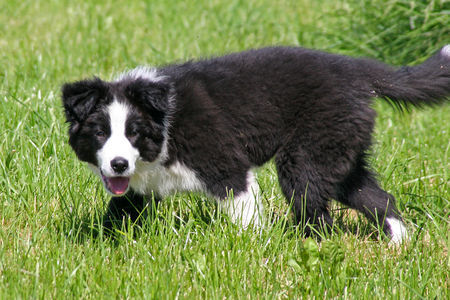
x=424, y=84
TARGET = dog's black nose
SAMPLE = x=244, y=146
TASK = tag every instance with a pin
x=119, y=165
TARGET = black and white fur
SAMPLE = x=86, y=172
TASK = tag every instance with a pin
x=205, y=125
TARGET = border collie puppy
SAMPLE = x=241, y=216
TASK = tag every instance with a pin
x=204, y=125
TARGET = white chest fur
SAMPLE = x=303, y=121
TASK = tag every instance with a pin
x=164, y=180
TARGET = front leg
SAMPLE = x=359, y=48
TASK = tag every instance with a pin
x=131, y=205
x=244, y=207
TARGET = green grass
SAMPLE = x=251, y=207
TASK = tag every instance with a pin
x=50, y=203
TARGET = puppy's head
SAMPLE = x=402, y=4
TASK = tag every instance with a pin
x=113, y=126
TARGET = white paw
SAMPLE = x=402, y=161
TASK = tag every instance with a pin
x=397, y=229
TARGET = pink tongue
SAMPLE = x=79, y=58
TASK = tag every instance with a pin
x=117, y=185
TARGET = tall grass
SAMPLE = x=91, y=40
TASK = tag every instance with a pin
x=50, y=204
x=394, y=31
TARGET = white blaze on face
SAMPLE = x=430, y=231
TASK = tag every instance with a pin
x=117, y=146
x=446, y=51
x=148, y=73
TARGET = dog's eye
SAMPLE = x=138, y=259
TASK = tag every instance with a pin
x=100, y=133
x=133, y=132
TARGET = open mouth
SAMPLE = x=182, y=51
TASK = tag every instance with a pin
x=116, y=185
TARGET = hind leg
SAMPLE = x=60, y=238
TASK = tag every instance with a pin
x=301, y=183
x=362, y=192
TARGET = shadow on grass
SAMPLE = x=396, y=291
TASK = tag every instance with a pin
x=155, y=219
x=345, y=220
x=100, y=224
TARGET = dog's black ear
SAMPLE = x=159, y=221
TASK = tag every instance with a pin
x=152, y=96
x=79, y=98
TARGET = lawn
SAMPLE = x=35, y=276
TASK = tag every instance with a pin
x=50, y=204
